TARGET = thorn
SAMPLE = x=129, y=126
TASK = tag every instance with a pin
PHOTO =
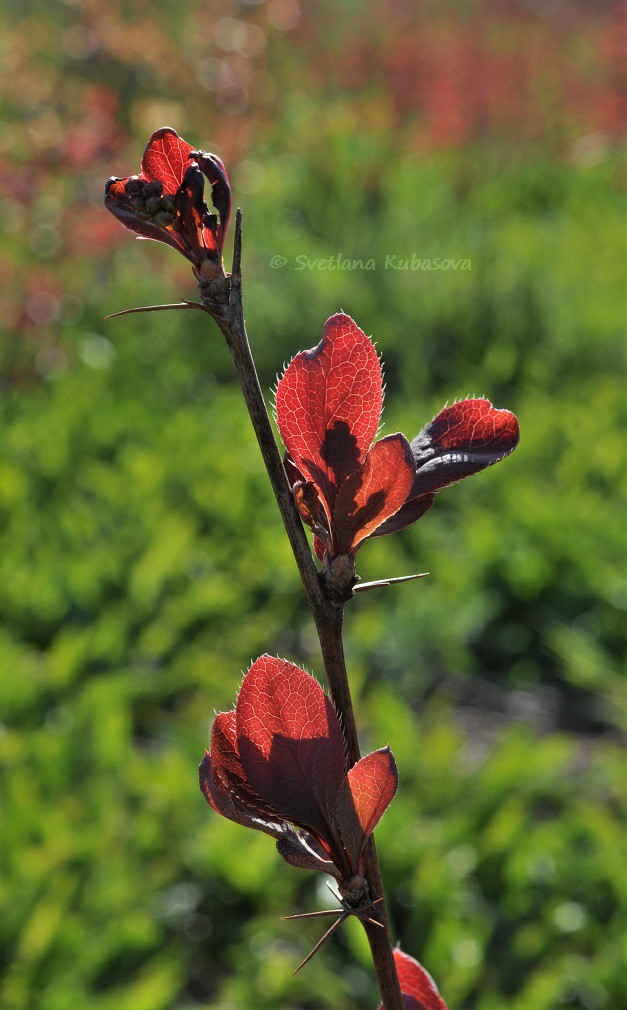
x=237, y=245
x=315, y=915
x=362, y=586
x=343, y=913
x=334, y=893
x=157, y=308
x=326, y=936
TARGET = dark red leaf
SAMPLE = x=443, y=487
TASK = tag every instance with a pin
x=296, y=854
x=166, y=159
x=374, y=493
x=213, y=168
x=364, y=796
x=418, y=988
x=290, y=744
x=309, y=505
x=410, y=513
x=230, y=805
x=329, y=404
x=319, y=548
x=460, y=441
x=191, y=210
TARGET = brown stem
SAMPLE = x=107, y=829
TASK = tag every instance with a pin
x=327, y=616
x=380, y=940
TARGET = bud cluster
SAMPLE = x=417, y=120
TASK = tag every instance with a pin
x=165, y=202
x=148, y=202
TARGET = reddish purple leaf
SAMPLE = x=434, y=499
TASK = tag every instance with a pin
x=224, y=746
x=290, y=744
x=364, y=796
x=277, y=763
x=462, y=440
x=418, y=988
x=374, y=493
x=329, y=404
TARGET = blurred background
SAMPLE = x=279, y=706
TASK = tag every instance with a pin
x=143, y=563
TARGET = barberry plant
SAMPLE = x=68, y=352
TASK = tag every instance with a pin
x=349, y=487
x=286, y=759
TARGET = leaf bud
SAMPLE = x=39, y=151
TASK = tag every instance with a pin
x=153, y=204
x=134, y=185
x=354, y=890
x=164, y=219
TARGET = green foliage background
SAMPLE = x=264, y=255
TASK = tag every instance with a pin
x=143, y=564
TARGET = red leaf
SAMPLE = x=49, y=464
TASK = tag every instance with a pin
x=364, y=796
x=417, y=982
x=227, y=767
x=460, y=441
x=418, y=988
x=224, y=745
x=374, y=493
x=329, y=404
x=166, y=158
x=290, y=744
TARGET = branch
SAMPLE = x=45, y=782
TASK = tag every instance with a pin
x=230, y=319
x=328, y=616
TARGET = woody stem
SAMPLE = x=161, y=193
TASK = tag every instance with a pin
x=380, y=940
x=327, y=616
